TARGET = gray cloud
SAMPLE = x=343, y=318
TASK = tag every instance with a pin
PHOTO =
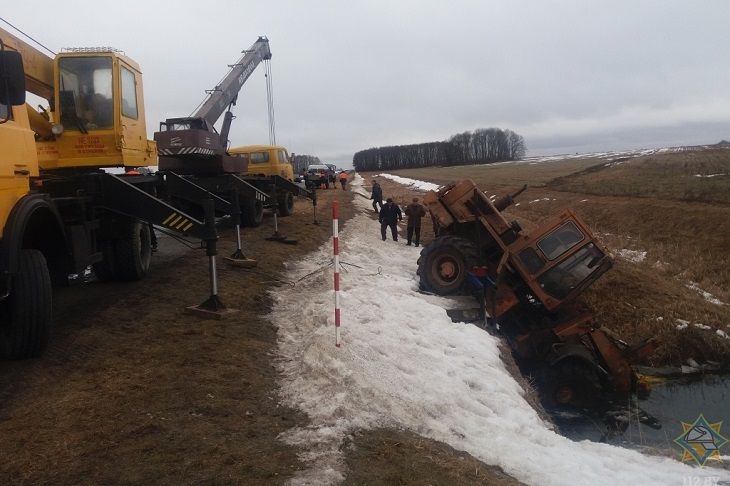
x=351, y=75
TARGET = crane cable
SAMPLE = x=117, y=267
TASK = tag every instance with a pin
x=270, y=102
x=26, y=35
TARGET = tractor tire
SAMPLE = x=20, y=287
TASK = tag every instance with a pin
x=26, y=322
x=570, y=384
x=444, y=263
x=286, y=204
x=252, y=212
x=132, y=254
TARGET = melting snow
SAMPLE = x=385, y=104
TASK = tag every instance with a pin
x=706, y=295
x=412, y=183
x=711, y=175
x=635, y=256
x=403, y=363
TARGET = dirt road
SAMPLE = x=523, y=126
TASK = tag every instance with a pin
x=133, y=390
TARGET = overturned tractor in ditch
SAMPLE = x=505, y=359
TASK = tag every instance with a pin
x=527, y=284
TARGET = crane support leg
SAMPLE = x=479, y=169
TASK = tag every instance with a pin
x=212, y=307
x=119, y=196
x=238, y=259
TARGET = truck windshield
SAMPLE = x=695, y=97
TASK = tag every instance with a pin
x=569, y=274
x=86, y=97
x=562, y=239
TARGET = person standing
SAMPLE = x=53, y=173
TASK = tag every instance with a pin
x=343, y=179
x=415, y=211
x=390, y=214
x=376, y=195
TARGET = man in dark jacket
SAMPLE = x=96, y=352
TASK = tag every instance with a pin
x=390, y=214
x=376, y=195
x=415, y=212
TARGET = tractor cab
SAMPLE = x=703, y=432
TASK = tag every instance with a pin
x=559, y=260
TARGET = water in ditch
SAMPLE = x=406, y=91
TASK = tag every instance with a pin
x=654, y=422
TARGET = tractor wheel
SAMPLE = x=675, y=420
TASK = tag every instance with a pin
x=444, y=263
x=133, y=253
x=252, y=212
x=26, y=320
x=286, y=204
x=571, y=384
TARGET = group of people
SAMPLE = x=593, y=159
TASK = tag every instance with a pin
x=390, y=213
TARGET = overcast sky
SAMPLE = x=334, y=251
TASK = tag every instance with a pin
x=567, y=75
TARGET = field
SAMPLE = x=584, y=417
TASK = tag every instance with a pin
x=665, y=216
x=135, y=391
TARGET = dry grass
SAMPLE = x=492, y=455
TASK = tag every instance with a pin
x=400, y=457
x=651, y=204
x=664, y=176
x=503, y=174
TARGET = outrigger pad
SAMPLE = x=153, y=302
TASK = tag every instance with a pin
x=212, y=308
x=282, y=239
x=241, y=262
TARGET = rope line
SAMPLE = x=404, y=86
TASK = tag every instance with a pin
x=29, y=37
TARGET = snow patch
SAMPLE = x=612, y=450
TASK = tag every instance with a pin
x=712, y=175
x=414, y=184
x=403, y=363
x=636, y=256
x=706, y=295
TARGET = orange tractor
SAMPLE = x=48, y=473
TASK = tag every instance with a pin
x=527, y=285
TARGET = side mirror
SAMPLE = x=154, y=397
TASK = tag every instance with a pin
x=12, y=78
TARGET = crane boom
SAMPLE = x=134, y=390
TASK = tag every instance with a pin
x=226, y=92
x=38, y=66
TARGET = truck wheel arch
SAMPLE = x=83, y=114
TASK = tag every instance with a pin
x=34, y=211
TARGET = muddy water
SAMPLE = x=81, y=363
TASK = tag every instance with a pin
x=656, y=421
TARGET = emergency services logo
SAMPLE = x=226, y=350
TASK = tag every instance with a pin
x=701, y=440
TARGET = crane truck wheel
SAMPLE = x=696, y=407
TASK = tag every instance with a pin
x=444, y=263
x=571, y=384
x=26, y=320
x=286, y=204
x=252, y=212
x=132, y=254
x=104, y=270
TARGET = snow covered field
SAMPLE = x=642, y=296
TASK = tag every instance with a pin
x=414, y=184
x=403, y=363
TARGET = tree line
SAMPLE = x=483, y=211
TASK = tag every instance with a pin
x=481, y=146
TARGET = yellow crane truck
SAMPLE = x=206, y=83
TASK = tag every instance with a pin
x=60, y=213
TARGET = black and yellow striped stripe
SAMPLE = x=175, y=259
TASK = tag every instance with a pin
x=177, y=222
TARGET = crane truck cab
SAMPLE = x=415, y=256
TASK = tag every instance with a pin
x=266, y=160
x=98, y=112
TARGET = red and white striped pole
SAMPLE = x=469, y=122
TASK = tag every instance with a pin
x=336, y=247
